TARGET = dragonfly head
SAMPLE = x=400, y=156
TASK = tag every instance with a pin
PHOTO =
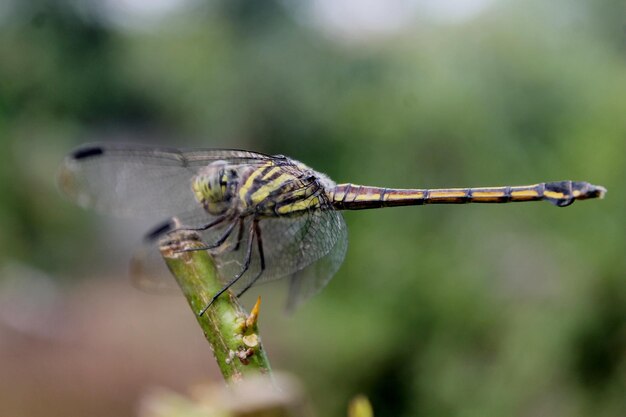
x=214, y=187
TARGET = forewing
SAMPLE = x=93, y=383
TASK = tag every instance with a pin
x=138, y=181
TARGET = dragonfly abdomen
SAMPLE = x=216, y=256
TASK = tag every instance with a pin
x=561, y=193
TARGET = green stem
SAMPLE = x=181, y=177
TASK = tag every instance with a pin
x=231, y=332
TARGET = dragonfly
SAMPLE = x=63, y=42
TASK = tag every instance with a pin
x=262, y=217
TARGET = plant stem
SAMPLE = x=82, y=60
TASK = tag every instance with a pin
x=232, y=334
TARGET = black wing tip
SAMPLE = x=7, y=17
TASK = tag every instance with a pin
x=88, y=152
x=159, y=230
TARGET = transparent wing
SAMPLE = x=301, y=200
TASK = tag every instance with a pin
x=309, y=249
x=138, y=181
x=291, y=244
x=307, y=282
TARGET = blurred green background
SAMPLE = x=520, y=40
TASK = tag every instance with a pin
x=479, y=310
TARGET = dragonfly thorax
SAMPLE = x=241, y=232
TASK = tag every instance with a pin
x=214, y=187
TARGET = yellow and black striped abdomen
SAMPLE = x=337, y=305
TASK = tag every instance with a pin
x=561, y=193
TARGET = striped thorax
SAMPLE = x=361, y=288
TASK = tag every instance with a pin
x=276, y=188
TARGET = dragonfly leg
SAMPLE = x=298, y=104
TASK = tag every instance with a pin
x=169, y=226
x=259, y=241
x=206, y=226
x=239, y=237
x=244, y=268
x=217, y=243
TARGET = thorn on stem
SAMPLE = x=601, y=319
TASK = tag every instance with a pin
x=254, y=314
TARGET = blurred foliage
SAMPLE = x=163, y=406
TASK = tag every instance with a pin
x=474, y=310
